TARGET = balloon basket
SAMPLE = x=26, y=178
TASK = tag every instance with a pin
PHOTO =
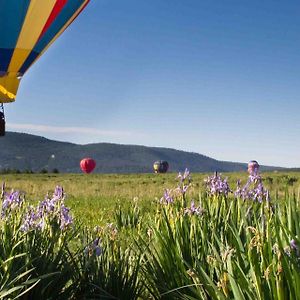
x=2, y=128
x=2, y=121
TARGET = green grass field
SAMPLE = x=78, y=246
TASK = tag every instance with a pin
x=199, y=242
x=94, y=197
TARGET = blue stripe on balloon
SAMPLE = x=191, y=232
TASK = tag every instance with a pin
x=12, y=15
x=5, y=57
x=67, y=12
x=30, y=59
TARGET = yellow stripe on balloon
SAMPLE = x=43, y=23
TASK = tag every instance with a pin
x=4, y=91
x=8, y=88
x=35, y=20
x=61, y=31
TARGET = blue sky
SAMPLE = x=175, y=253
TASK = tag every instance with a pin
x=220, y=78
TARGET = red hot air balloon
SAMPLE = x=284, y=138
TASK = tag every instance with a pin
x=87, y=165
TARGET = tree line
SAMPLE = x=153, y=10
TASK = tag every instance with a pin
x=28, y=171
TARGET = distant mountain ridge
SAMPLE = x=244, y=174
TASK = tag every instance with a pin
x=30, y=152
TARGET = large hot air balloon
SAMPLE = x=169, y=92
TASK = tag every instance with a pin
x=27, y=29
x=253, y=167
x=87, y=165
x=161, y=166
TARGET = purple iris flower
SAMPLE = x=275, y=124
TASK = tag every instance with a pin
x=48, y=210
x=253, y=190
x=295, y=247
x=31, y=221
x=217, y=186
x=11, y=201
x=193, y=210
x=94, y=248
x=185, y=176
x=167, y=198
x=98, y=249
x=65, y=218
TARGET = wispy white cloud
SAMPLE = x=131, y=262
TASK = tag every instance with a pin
x=69, y=130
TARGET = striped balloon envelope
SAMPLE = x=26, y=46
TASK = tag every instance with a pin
x=161, y=166
x=27, y=29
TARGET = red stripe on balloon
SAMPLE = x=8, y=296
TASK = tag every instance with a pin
x=59, y=5
x=78, y=13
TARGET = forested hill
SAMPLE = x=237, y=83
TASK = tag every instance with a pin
x=29, y=152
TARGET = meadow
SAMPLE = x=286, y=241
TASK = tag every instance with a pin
x=94, y=197
x=150, y=236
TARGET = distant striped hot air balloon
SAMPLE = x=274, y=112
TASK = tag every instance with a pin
x=161, y=166
x=253, y=167
x=27, y=29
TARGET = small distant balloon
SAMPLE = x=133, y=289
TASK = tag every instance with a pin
x=253, y=167
x=161, y=166
x=87, y=165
